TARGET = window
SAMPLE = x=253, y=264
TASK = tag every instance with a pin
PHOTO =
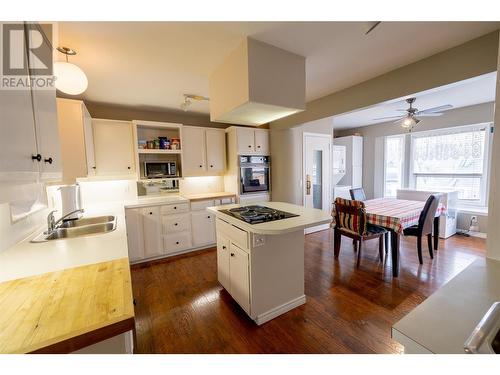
x=393, y=164
x=452, y=159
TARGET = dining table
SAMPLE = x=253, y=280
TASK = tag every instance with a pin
x=396, y=215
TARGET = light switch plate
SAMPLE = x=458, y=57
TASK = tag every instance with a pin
x=258, y=240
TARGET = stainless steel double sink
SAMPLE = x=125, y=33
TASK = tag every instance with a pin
x=79, y=228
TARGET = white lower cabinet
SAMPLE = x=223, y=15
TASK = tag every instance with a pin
x=156, y=231
x=152, y=232
x=203, y=224
x=223, y=276
x=239, y=277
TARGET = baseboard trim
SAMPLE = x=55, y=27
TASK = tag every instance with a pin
x=277, y=311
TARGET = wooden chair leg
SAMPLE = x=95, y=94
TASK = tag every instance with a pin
x=386, y=235
x=337, y=238
x=419, y=249
x=355, y=245
x=359, y=252
x=381, y=247
x=429, y=244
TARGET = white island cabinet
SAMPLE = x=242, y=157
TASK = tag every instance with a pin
x=262, y=265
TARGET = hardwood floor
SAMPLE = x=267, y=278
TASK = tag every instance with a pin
x=181, y=308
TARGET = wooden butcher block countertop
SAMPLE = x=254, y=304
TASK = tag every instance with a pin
x=65, y=310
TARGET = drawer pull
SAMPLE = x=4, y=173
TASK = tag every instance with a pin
x=232, y=254
x=224, y=247
x=208, y=217
x=176, y=242
x=150, y=213
x=175, y=207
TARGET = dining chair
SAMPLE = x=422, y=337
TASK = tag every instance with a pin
x=358, y=194
x=424, y=227
x=350, y=221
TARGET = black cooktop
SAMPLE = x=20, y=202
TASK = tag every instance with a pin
x=258, y=214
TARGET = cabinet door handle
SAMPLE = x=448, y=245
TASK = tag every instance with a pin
x=177, y=242
x=232, y=254
x=175, y=207
x=208, y=217
x=211, y=166
x=128, y=167
x=94, y=167
x=49, y=160
x=201, y=166
x=258, y=146
x=151, y=213
x=224, y=247
x=249, y=146
x=175, y=224
x=36, y=157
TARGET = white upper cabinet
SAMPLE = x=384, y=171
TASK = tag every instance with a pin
x=194, y=151
x=17, y=143
x=216, y=150
x=89, y=141
x=262, y=141
x=113, y=147
x=246, y=140
x=203, y=151
x=250, y=141
x=47, y=130
x=29, y=146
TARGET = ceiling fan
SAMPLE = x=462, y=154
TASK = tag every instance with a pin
x=411, y=118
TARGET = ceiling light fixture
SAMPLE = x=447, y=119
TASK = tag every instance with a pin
x=70, y=79
x=188, y=98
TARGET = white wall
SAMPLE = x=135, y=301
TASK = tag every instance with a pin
x=286, y=159
x=455, y=117
x=493, y=244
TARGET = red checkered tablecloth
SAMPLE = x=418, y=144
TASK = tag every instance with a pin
x=395, y=214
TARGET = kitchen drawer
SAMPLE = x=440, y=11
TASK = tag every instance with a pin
x=201, y=205
x=175, y=208
x=238, y=236
x=222, y=201
x=176, y=242
x=176, y=223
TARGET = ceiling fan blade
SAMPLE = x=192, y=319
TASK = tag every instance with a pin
x=372, y=27
x=435, y=114
x=436, y=109
x=388, y=117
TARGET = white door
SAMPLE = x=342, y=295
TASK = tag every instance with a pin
x=223, y=262
x=317, y=187
x=239, y=275
x=246, y=141
x=216, y=150
x=113, y=147
x=262, y=142
x=135, y=238
x=152, y=232
x=203, y=228
x=193, y=156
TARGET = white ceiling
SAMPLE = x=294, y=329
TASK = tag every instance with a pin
x=460, y=94
x=151, y=64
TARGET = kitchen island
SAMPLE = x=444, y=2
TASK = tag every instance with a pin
x=261, y=265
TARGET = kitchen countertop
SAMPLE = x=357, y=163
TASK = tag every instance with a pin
x=156, y=200
x=444, y=321
x=65, y=290
x=220, y=194
x=308, y=217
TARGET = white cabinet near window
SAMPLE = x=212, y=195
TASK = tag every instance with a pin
x=249, y=141
x=113, y=146
x=204, y=151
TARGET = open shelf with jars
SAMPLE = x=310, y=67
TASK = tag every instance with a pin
x=158, y=151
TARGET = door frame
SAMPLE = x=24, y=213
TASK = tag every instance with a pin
x=328, y=186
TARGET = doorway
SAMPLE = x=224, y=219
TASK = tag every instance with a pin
x=316, y=174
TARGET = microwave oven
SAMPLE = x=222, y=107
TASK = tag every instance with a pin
x=155, y=169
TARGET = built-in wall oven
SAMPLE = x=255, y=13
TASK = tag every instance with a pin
x=254, y=174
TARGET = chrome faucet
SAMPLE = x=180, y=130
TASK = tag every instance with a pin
x=52, y=222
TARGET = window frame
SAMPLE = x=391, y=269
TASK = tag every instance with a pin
x=403, y=162
x=484, y=187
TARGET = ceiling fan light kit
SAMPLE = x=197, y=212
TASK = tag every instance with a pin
x=411, y=119
x=188, y=99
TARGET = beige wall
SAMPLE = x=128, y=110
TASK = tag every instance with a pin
x=493, y=248
x=286, y=159
x=117, y=112
x=468, y=60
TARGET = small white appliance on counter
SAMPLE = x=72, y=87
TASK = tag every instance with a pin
x=71, y=201
x=449, y=198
